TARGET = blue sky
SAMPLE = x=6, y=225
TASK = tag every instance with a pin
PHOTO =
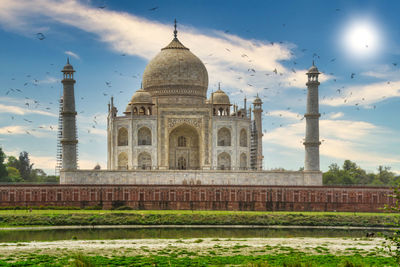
x=355, y=44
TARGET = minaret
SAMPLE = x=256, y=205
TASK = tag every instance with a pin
x=257, y=111
x=312, y=115
x=68, y=141
x=245, y=107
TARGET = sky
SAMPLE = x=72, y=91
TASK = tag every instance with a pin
x=250, y=47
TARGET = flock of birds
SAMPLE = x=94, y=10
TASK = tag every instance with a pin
x=251, y=72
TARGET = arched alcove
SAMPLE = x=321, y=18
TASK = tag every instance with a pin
x=224, y=161
x=224, y=137
x=144, y=136
x=184, y=146
x=144, y=161
x=243, y=138
x=122, y=137
x=122, y=161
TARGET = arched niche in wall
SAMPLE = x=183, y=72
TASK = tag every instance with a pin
x=144, y=136
x=243, y=161
x=224, y=137
x=122, y=161
x=224, y=161
x=122, y=137
x=144, y=161
x=243, y=138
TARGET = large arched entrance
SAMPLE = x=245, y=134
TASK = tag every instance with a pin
x=184, y=148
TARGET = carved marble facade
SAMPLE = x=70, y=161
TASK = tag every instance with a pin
x=180, y=129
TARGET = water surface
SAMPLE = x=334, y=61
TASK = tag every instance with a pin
x=165, y=233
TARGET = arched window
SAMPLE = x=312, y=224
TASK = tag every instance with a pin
x=243, y=161
x=149, y=111
x=243, y=138
x=144, y=136
x=122, y=161
x=144, y=161
x=221, y=111
x=135, y=112
x=182, y=141
x=224, y=137
x=142, y=111
x=224, y=161
x=181, y=163
x=122, y=137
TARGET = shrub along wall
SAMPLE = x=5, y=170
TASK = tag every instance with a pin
x=201, y=197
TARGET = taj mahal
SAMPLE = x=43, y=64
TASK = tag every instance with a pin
x=170, y=133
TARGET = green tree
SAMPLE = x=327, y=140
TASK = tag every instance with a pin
x=3, y=170
x=37, y=175
x=385, y=175
x=14, y=175
x=25, y=166
x=350, y=174
x=392, y=240
x=12, y=162
x=331, y=177
x=51, y=179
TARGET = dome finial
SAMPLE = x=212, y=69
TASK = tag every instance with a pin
x=219, y=85
x=175, y=31
x=313, y=62
x=67, y=60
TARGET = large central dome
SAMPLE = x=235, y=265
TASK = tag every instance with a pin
x=176, y=71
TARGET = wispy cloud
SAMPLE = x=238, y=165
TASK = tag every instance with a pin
x=49, y=80
x=335, y=115
x=23, y=111
x=238, y=63
x=285, y=114
x=341, y=139
x=72, y=54
x=364, y=95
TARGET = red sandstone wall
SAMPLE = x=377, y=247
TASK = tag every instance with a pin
x=201, y=197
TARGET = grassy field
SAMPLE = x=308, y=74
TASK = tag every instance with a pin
x=198, y=252
x=174, y=217
x=294, y=259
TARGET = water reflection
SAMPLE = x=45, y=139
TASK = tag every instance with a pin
x=115, y=233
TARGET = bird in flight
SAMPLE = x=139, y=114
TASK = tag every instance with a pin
x=153, y=8
x=40, y=36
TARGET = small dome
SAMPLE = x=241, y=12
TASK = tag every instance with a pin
x=141, y=97
x=257, y=100
x=220, y=98
x=68, y=67
x=313, y=69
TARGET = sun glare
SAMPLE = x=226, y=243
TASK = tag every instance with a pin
x=361, y=39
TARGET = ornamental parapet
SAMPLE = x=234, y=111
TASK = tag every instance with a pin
x=73, y=113
x=69, y=142
x=312, y=143
x=312, y=115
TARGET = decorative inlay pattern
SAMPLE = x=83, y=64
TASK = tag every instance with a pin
x=195, y=122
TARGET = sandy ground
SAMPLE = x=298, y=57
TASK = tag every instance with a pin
x=193, y=247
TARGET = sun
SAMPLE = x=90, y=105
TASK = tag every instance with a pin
x=361, y=39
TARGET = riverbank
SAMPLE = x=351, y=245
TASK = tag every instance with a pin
x=12, y=218
x=199, y=252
